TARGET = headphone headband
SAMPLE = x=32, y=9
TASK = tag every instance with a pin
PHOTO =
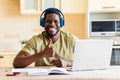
x=42, y=22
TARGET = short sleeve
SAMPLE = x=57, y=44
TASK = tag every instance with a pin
x=30, y=46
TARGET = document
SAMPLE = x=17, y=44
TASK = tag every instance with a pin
x=41, y=71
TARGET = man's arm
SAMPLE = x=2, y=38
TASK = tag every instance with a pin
x=23, y=59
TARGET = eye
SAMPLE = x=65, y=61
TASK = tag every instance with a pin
x=56, y=22
x=48, y=21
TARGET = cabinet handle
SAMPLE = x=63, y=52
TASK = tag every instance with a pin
x=106, y=7
x=1, y=56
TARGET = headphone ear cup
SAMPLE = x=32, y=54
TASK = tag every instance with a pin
x=62, y=22
x=42, y=22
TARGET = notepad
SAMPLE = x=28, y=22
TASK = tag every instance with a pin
x=42, y=71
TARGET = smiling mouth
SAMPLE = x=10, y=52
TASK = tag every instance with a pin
x=51, y=32
x=52, y=29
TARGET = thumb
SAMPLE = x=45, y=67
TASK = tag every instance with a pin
x=50, y=43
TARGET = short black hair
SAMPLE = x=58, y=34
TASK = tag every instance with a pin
x=52, y=10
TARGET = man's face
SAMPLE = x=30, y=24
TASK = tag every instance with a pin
x=52, y=24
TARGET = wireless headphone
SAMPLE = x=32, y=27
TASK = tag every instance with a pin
x=42, y=20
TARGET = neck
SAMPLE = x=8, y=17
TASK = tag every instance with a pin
x=54, y=38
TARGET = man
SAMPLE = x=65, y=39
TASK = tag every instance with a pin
x=51, y=47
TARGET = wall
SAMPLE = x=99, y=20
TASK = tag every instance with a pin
x=75, y=23
x=15, y=27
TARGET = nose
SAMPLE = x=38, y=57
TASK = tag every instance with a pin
x=52, y=24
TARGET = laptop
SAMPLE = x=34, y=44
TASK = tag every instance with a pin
x=92, y=54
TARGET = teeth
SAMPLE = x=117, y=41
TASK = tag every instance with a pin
x=52, y=29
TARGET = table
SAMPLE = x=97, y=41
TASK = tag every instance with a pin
x=111, y=74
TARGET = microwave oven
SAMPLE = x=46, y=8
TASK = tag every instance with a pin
x=104, y=28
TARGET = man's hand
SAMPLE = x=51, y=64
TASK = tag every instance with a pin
x=49, y=51
x=60, y=62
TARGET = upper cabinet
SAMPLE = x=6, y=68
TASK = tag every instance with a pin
x=74, y=6
x=67, y=6
x=37, y=6
x=104, y=5
x=30, y=6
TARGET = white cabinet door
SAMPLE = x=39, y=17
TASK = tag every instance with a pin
x=37, y=6
x=104, y=5
x=117, y=5
x=74, y=6
x=30, y=6
x=51, y=3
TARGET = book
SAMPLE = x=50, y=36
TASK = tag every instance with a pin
x=50, y=71
x=42, y=71
x=56, y=70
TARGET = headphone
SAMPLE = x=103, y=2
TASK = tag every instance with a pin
x=42, y=20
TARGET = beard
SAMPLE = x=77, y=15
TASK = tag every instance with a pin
x=51, y=32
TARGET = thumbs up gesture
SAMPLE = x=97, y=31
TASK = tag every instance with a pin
x=50, y=43
x=49, y=51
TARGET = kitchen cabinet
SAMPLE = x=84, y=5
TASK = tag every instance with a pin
x=30, y=6
x=104, y=5
x=37, y=6
x=67, y=6
x=74, y=6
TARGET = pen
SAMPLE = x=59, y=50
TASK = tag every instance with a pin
x=12, y=74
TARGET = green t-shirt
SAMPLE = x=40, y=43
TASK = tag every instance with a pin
x=64, y=47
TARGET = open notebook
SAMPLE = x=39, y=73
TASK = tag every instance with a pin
x=41, y=71
x=92, y=54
